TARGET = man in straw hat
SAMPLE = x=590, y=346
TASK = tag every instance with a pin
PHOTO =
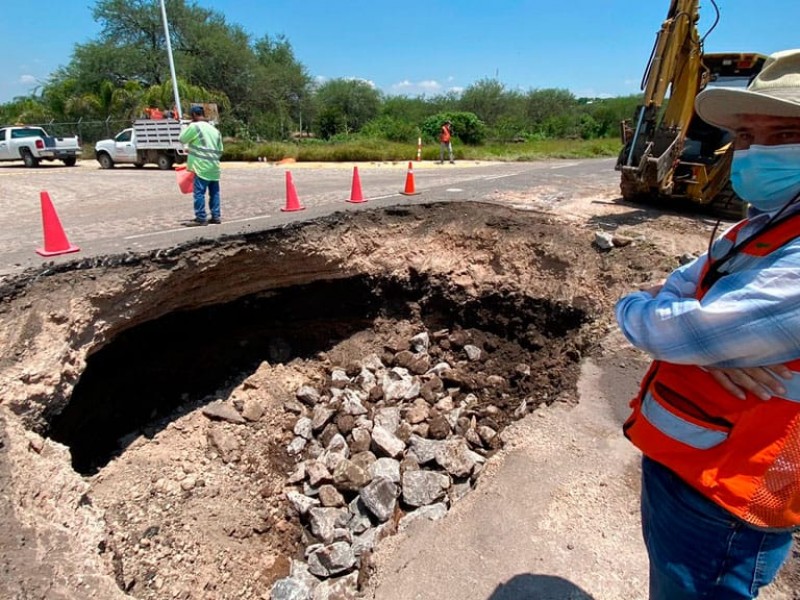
x=718, y=413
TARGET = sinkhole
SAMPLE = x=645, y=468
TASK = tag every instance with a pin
x=136, y=381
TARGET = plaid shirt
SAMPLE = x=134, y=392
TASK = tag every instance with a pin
x=749, y=318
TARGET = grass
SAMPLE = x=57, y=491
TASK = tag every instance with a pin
x=378, y=150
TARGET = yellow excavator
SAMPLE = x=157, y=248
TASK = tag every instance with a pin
x=669, y=153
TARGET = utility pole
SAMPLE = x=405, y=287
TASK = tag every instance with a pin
x=171, y=61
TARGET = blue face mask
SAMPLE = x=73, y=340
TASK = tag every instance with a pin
x=767, y=176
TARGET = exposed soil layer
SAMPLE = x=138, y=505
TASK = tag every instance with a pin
x=147, y=372
x=116, y=358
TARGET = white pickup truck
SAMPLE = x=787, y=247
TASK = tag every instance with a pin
x=32, y=145
x=148, y=141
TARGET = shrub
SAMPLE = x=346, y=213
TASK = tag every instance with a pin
x=391, y=129
x=466, y=126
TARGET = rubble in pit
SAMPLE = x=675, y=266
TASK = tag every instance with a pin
x=389, y=441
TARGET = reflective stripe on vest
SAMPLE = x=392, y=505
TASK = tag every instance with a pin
x=742, y=454
x=680, y=429
x=203, y=150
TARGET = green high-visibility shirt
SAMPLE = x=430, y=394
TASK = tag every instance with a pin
x=204, y=144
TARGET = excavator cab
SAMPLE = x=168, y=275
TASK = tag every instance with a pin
x=668, y=151
x=702, y=171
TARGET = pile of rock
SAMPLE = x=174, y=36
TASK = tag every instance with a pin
x=379, y=448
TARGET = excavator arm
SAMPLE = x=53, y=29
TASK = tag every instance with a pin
x=656, y=141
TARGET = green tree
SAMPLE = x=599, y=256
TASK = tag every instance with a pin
x=25, y=110
x=131, y=47
x=281, y=87
x=489, y=99
x=346, y=105
x=391, y=129
x=549, y=106
x=409, y=110
x=610, y=112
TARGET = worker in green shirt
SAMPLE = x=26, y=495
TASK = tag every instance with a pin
x=204, y=144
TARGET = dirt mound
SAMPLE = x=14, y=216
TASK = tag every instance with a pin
x=173, y=377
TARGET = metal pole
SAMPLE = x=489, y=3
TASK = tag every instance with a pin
x=635, y=137
x=171, y=61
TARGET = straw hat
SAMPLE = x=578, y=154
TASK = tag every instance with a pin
x=775, y=91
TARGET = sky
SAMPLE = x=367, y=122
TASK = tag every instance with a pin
x=593, y=48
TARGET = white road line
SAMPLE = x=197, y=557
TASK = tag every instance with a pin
x=566, y=166
x=493, y=177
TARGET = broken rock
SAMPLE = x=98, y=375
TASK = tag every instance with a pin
x=380, y=498
x=421, y=488
x=332, y=559
x=290, y=589
x=222, y=411
x=387, y=443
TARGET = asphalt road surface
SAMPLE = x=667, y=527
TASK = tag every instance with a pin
x=129, y=209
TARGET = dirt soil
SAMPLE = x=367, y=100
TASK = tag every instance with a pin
x=121, y=357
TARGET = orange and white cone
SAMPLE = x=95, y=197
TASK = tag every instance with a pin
x=409, y=189
x=356, y=197
x=55, y=240
x=292, y=201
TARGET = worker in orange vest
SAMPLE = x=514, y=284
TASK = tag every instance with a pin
x=718, y=413
x=445, y=142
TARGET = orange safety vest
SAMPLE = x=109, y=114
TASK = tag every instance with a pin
x=742, y=454
x=445, y=136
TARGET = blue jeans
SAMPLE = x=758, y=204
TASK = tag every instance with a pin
x=698, y=549
x=200, y=186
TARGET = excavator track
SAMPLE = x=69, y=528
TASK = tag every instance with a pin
x=727, y=204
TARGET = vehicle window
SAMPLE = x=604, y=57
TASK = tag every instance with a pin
x=27, y=132
x=125, y=136
x=729, y=81
x=2, y=135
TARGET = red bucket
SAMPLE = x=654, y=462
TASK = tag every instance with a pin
x=185, y=179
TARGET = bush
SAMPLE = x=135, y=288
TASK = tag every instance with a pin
x=391, y=129
x=467, y=127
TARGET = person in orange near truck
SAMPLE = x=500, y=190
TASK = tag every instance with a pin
x=445, y=142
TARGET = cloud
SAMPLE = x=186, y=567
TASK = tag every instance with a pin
x=591, y=93
x=27, y=79
x=369, y=82
x=426, y=86
x=456, y=89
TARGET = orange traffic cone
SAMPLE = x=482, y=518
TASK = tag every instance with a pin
x=409, y=191
x=292, y=202
x=55, y=240
x=356, y=196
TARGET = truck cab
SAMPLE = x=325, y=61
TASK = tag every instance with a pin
x=32, y=144
x=120, y=150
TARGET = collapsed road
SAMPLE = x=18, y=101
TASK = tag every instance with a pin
x=334, y=403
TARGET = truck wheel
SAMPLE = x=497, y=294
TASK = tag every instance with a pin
x=29, y=159
x=164, y=162
x=106, y=162
x=70, y=161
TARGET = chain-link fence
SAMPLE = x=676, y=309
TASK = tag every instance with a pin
x=87, y=131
